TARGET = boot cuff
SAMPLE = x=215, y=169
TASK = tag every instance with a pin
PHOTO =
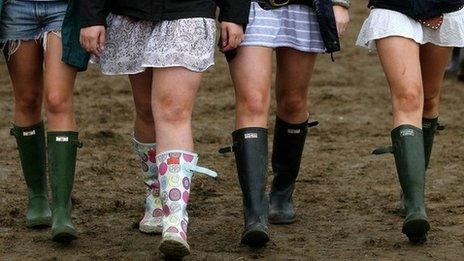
x=249, y=133
x=27, y=131
x=290, y=127
x=406, y=130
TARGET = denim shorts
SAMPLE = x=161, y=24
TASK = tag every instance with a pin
x=30, y=20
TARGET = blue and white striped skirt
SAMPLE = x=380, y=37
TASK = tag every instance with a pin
x=293, y=26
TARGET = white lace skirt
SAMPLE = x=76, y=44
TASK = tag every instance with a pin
x=383, y=23
x=133, y=45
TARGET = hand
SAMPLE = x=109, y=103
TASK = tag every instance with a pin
x=232, y=36
x=92, y=39
x=342, y=18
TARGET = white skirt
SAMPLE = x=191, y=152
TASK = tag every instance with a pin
x=383, y=23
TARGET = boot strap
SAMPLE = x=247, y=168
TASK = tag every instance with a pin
x=194, y=168
x=441, y=127
x=79, y=144
x=312, y=124
x=383, y=150
x=231, y=148
x=12, y=132
x=226, y=149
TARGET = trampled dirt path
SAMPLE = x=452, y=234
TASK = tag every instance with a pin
x=345, y=197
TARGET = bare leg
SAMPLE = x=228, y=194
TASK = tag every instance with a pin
x=25, y=68
x=173, y=97
x=401, y=63
x=251, y=73
x=294, y=71
x=433, y=63
x=59, y=86
x=144, y=126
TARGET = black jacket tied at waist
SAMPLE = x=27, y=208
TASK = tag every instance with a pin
x=419, y=9
x=94, y=12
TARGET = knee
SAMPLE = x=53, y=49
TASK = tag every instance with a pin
x=409, y=100
x=253, y=103
x=292, y=104
x=58, y=104
x=172, y=111
x=29, y=103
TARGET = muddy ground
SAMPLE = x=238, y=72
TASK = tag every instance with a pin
x=346, y=198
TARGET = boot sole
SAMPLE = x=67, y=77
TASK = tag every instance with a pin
x=416, y=230
x=282, y=221
x=174, y=249
x=150, y=230
x=255, y=238
x=39, y=223
x=64, y=237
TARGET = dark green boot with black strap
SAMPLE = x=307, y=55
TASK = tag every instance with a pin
x=31, y=147
x=251, y=155
x=408, y=148
x=288, y=145
x=62, y=152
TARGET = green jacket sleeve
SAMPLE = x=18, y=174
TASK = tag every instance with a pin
x=73, y=53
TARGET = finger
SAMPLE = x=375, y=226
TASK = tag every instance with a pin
x=340, y=29
x=224, y=36
x=238, y=41
x=86, y=43
x=102, y=40
x=81, y=40
x=345, y=28
x=93, y=45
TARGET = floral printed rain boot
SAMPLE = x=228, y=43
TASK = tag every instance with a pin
x=151, y=222
x=175, y=176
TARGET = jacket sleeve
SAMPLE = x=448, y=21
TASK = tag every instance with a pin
x=93, y=12
x=234, y=11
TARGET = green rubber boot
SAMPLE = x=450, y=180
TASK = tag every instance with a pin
x=408, y=148
x=429, y=128
x=62, y=152
x=31, y=147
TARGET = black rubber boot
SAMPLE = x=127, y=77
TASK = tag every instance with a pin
x=429, y=128
x=31, y=147
x=408, y=148
x=289, y=140
x=62, y=153
x=250, y=148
